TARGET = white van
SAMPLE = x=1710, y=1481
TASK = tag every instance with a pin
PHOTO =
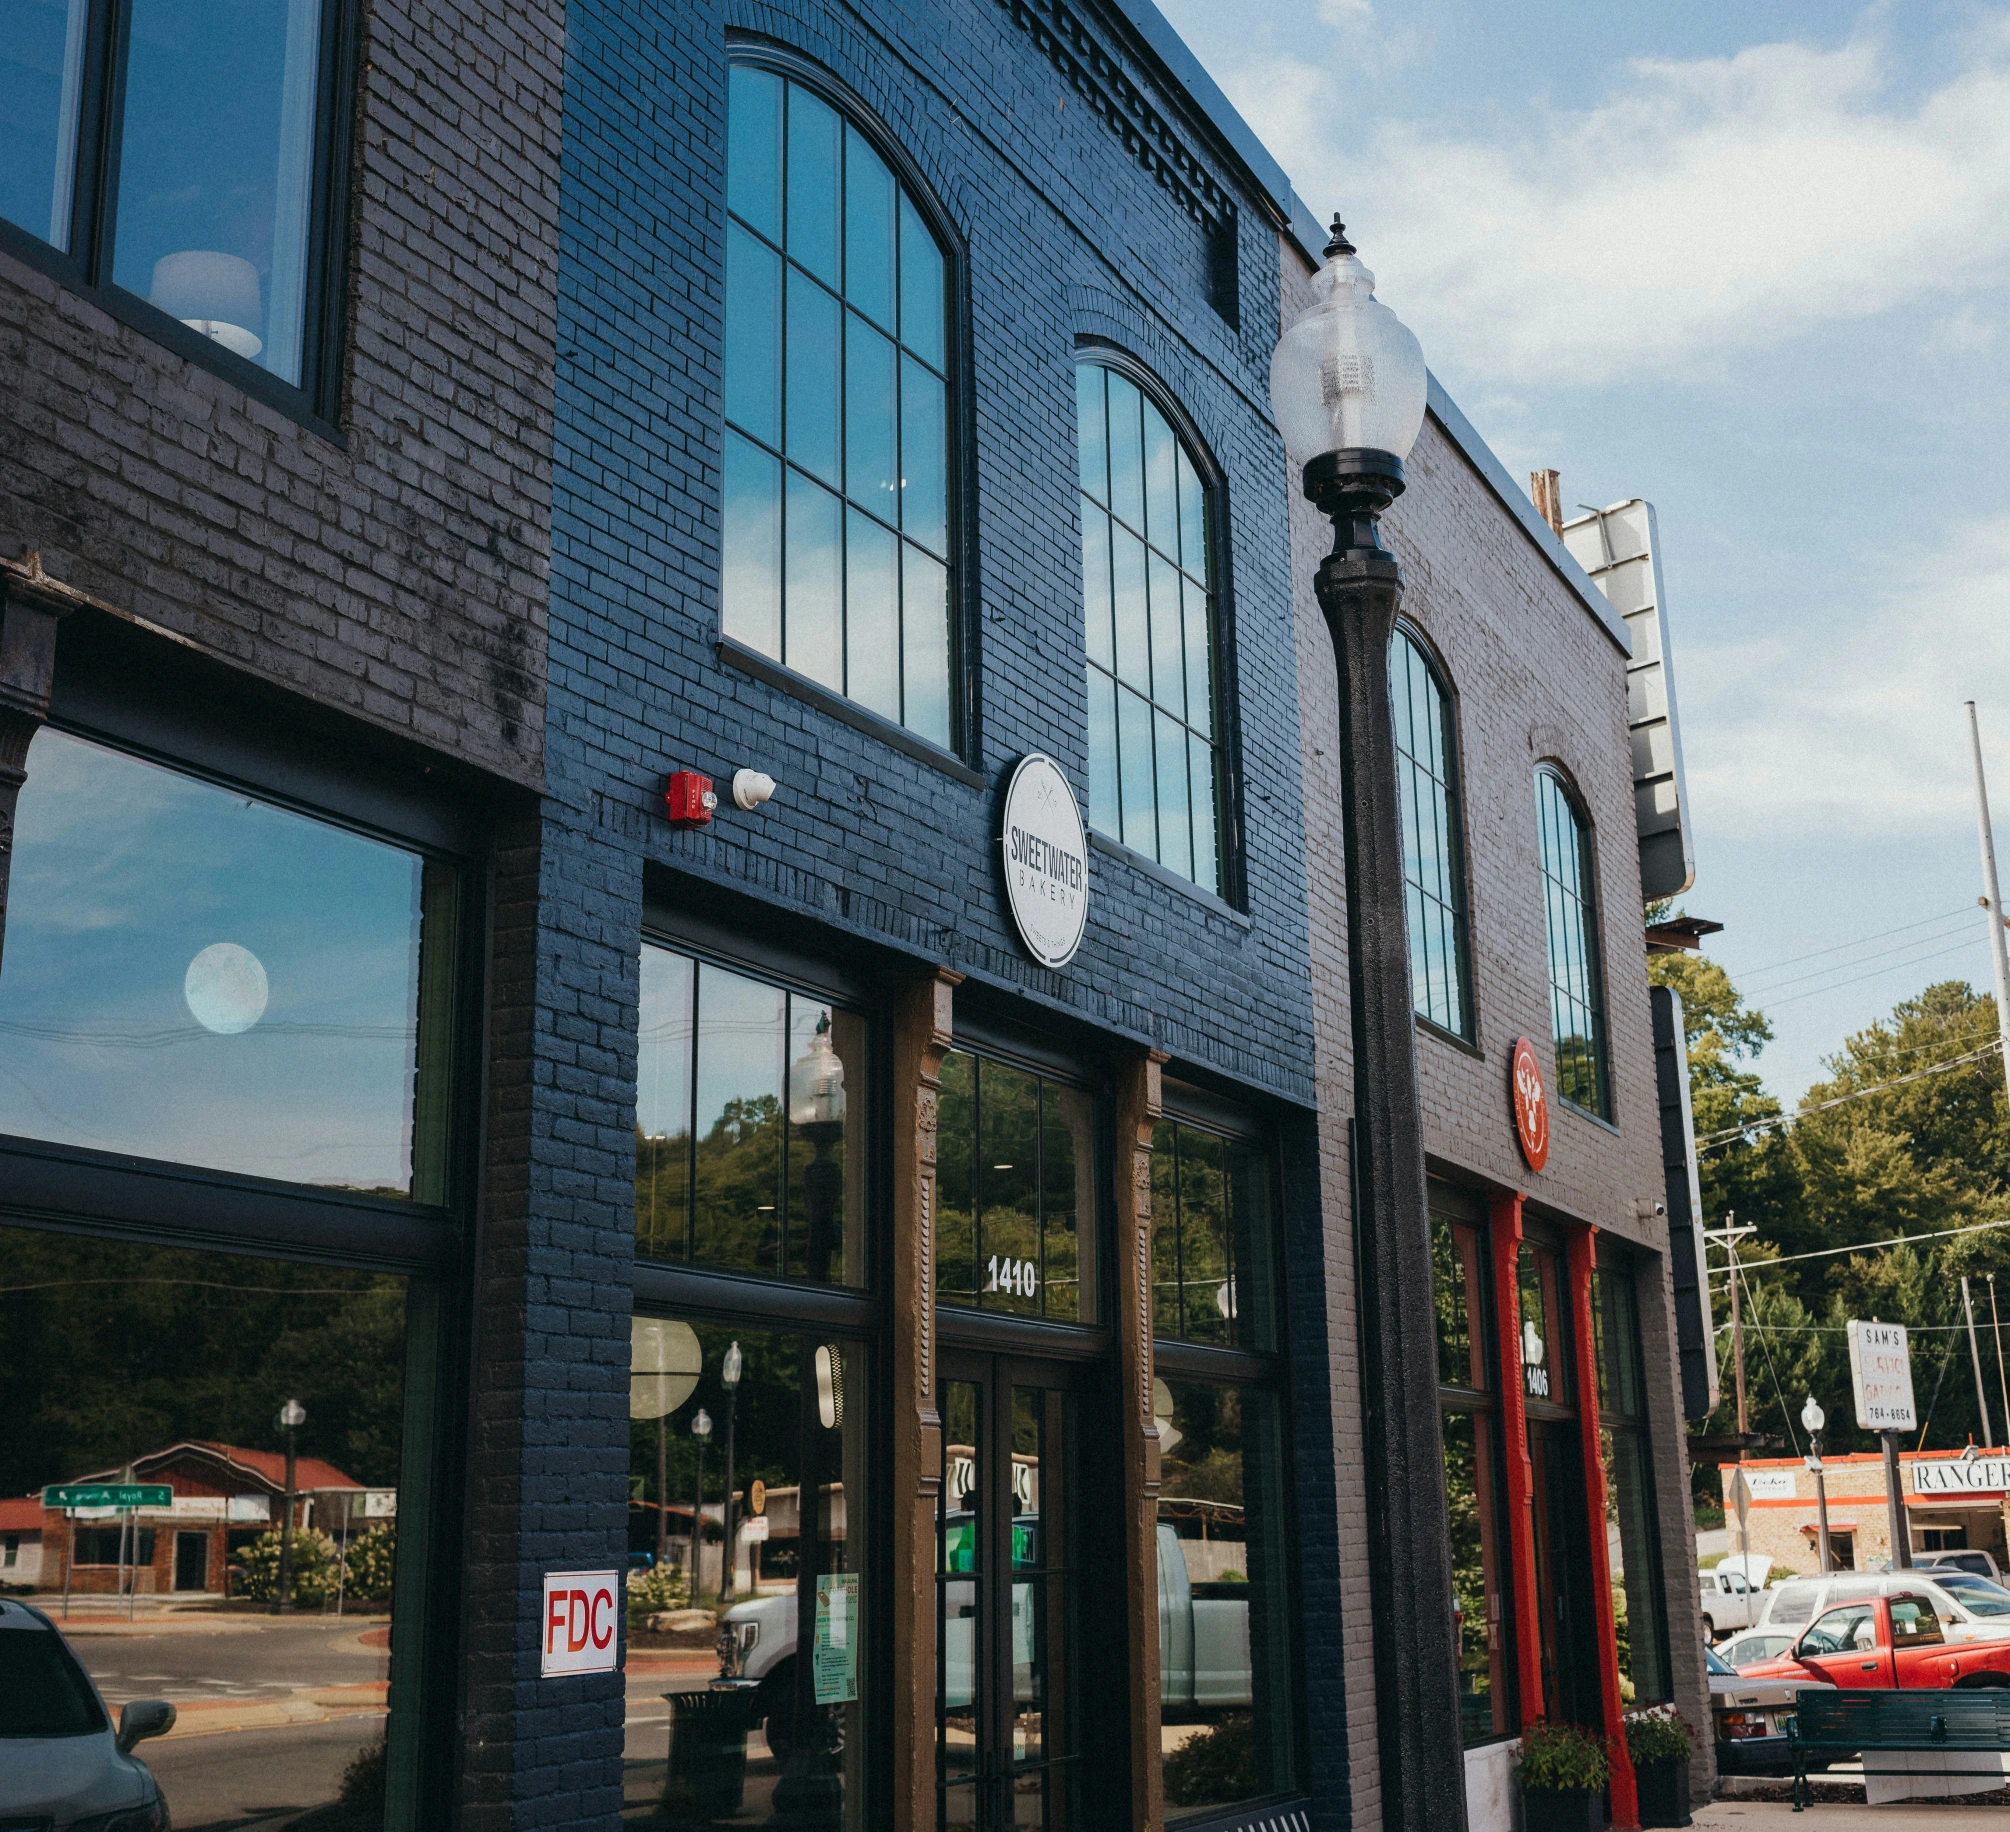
x=1978, y=1614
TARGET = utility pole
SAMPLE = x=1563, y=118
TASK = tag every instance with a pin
x=1993, y=898
x=2002, y=1380
x=1728, y=1237
x=1975, y=1361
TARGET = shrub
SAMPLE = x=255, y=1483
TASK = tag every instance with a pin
x=362, y=1785
x=1218, y=1764
x=1562, y=1759
x=370, y=1559
x=649, y=1591
x=1660, y=1735
x=312, y=1573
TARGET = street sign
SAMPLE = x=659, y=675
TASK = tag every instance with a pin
x=1880, y=1366
x=582, y=1611
x=110, y=1495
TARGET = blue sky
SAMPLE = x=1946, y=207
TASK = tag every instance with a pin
x=1747, y=261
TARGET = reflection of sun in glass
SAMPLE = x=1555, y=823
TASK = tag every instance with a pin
x=225, y=988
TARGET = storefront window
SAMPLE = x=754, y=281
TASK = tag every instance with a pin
x=1015, y=1174
x=748, y=1600
x=1213, y=1243
x=1472, y=1481
x=1546, y=1371
x=749, y=1124
x=145, y=1391
x=1225, y=1606
x=197, y=976
x=1637, y=1607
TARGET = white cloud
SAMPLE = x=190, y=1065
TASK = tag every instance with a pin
x=1702, y=208
x=1858, y=730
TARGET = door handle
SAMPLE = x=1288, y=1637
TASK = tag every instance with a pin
x=1869, y=1666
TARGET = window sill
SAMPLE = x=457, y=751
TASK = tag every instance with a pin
x=1466, y=1044
x=1585, y=1113
x=171, y=334
x=1117, y=850
x=847, y=712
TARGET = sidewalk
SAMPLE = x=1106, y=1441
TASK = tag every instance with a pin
x=1778, y=1816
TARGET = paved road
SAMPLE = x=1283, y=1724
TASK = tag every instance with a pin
x=186, y=1659
x=262, y=1778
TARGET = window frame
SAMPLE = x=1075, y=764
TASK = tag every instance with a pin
x=1231, y=890
x=1592, y=935
x=962, y=756
x=85, y=268
x=1466, y=1033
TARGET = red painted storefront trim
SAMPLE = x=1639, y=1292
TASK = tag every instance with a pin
x=1625, y=1798
x=1504, y=1236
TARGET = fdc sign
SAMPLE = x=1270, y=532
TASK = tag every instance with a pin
x=582, y=1611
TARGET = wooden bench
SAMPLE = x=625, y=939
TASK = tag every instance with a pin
x=1835, y=1724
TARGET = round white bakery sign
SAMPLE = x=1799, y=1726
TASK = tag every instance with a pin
x=1046, y=860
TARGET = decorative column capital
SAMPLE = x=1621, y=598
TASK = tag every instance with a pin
x=32, y=605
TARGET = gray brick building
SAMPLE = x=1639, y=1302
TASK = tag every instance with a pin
x=537, y=548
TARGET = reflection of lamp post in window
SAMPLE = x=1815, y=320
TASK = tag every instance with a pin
x=292, y=1416
x=1813, y=1418
x=701, y=1429
x=729, y=1376
x=811, y=1790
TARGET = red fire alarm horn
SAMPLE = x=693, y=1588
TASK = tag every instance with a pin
x=688, y=799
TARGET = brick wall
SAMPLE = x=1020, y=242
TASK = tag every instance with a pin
x=399, y=575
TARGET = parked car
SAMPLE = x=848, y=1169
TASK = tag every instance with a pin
x=1791, y=1606
x=64, y=1768
x=1976, y=1595
x=1750, y=1718
x=1203, y=1635
x=1753, y=1646
x=1893, y=1642
x=1970, y=1559
x=1726, y=1600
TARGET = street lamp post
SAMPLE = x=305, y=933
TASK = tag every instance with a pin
x=1813, y=1418
x=729, y=1375
x=292, y=1416
x=701, y=1429
x=1348, y=387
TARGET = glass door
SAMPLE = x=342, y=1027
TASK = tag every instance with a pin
x=1005, y=1590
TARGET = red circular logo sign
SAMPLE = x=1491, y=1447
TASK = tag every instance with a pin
x=1530, y=1102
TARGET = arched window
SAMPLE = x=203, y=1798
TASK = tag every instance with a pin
x=1434, y=866
x=837, y=559
x=1148, y=587
x=1576, y=995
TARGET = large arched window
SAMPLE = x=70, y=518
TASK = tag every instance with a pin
x=1576, y=995
x=1148, y=588
x=1434, y=866
x=837, y=555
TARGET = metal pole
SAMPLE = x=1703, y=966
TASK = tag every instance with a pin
x=284, y=1599
x=1894, y=1497
x=662, y=1492
x=697, y=1524
x=342, y=1552
x=726, y=1558
x=1975, y=1360
x=2002, y=1380
x=1738, y=1368
x=1822, y=1512
x=1997, y=950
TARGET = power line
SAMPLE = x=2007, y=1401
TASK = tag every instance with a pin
x=1815, y=973
x=1918, y=960
x=1710, y=1139
x=1794, y=960
x=1865, y=1246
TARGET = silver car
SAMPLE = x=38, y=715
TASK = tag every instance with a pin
x=61, y=1766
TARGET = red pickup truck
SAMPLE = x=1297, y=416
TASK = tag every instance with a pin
x=1890, y=1643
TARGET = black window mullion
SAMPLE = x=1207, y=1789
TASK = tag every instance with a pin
x=782, y=1216
x=93, y=216
x=691, y=1116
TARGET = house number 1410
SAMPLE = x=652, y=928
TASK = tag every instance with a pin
x=1020, y=1277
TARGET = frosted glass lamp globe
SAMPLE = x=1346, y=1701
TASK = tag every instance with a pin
x=1348, y=375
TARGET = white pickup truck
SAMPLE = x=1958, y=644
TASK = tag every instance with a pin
x=1203, y=1641
x=1726, y=1600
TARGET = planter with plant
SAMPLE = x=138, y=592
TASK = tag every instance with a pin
x=1661, y=1742
x=1563, y=1770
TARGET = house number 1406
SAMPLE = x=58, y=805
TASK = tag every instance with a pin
x=1020, y=1277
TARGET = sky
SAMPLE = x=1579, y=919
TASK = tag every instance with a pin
x=1747, y=261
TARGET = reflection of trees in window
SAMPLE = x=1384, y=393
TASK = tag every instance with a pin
x=1638, y=1611
x=1015, y=1168
x=1576, y=995
x=1213, y=1253
x=1433, y=860
x=726, y=1172
x=111, y=1351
